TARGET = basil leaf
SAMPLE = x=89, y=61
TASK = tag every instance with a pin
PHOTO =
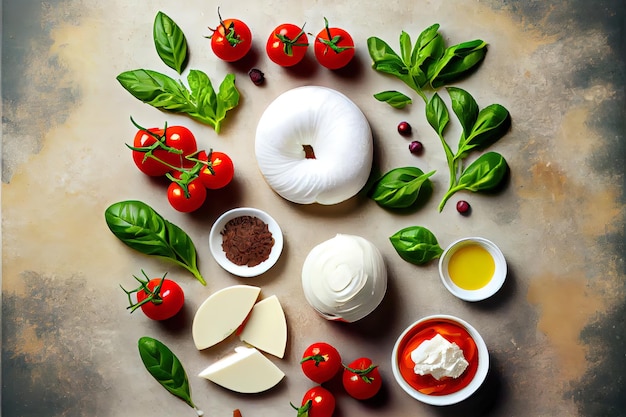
x=170, y=42
x=491, y=124
x=148, y=85
x=484, y=174
x=201, y=103
x=384, y=58
x=465, y=108
x=394, y=98
x=228, y=99
x=428, y=49
x=202, y=92
x=457, y=61
x=141, y=228
x=405, y=48
x=166, y=368
x=401, y=188
x=416, y=245
x=437, y=114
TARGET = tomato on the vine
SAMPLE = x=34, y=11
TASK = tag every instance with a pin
x=361, y=379
x=156, y=150
x=287, y=45
x=231, y=40
x=219, y=172
x=320, y=362
x=186, y=197
x=317, y=402
x=334, y=47
x=158, y=298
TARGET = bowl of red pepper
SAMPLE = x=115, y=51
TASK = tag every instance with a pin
x=246, y=241
x=440, y=360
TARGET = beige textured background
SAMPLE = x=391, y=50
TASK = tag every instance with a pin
x=555, y=331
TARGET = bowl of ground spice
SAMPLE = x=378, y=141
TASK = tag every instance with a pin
x=246, y=241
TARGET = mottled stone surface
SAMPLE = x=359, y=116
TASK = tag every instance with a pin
x=556, y=331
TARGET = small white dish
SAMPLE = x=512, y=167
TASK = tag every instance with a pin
x=454, y=397
x=494, y=284
x=215, y=242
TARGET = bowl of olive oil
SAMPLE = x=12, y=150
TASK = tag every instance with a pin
x=472, y=268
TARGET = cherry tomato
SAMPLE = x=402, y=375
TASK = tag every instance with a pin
x=232, y=39
x=361, y=379
x=334, y=47
x=287, y=45
x=220, y=173
x=181, y=138
x=165, y=303
x=175, y=143
x=317, y=402
x=320, y=362
x=189, y=201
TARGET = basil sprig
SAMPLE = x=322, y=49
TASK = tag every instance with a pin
x=481, y=128
x=427, y=63
x=416, y=244
x=170, y=42
x=166, y=368
x=140, y=227
x=199, y=101
x=402, y=188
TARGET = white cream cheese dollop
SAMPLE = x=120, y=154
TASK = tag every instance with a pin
x=439, y=358
x=344, y=278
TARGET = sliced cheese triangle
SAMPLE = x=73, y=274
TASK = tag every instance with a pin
x=266, y=327
x=246, y=371
x=222, y=313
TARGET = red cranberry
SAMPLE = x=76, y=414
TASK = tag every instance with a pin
x=404, y=128
x=256, y=76
x=416, y=147
x=462, y=207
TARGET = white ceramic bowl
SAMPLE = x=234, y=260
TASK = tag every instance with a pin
x=494, y=284
x=455, y=397
x=215, y=242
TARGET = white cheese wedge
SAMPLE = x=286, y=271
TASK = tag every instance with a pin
x=266, y=327
x=246, y=371
x=222, y=313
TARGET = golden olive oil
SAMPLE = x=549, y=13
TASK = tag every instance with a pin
x=471, y=267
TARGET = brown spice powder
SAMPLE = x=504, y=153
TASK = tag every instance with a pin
x=246, y=240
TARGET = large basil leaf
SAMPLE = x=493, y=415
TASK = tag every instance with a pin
x=437, y=114
x=416, y=245
x=170, y=42
x=394, y=98
x=147, y=85
x=491, y=124
x=140, y=227
x=401, y=187
x=484, y=174
x=428, y=49
x=384, y=58
x=166, y=368
x=465, y=108
x=202, y=92
x=457, y=61
x=228, y=98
